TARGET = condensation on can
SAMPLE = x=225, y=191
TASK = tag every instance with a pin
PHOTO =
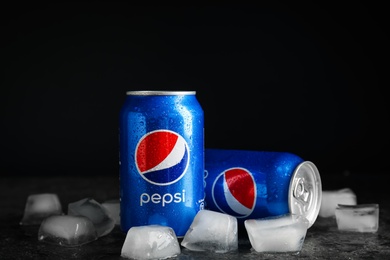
x=161, y=159
x=305, y=192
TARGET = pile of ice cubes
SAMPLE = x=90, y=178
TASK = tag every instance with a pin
x=218, y=233
x=350, y=216
x=85, y=221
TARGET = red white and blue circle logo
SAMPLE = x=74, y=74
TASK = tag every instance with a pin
x=234, y=192
x=162, y=157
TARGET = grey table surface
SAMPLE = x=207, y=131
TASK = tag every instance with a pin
x=323, y=240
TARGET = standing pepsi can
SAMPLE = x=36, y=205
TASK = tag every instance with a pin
x=258, y=184
x=161, y=159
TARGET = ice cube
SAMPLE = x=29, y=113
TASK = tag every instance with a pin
x=282, y=234
x=40, y=206
x=67, y=230
x=150, y=242
x=113, y=208
x=93, y=210
x=330, y=199
x=212, y=231
x=358, y=218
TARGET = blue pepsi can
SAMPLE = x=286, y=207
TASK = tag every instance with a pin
x=161, y=157
x=258, y=184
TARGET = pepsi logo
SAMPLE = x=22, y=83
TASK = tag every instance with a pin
x=162, y=157
x=234, y=192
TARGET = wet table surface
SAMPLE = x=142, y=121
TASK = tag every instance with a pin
x=323, y=240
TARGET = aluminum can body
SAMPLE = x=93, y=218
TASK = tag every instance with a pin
x=161, y=159
x=259, y=184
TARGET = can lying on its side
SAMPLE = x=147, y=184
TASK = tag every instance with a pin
x=258, y=184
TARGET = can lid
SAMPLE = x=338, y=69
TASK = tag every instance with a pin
x=305, y=193
x=159, y=93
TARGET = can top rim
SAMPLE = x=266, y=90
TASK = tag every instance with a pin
x=158, y=93
x=305, y=194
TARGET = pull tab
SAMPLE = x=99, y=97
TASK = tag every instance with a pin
x=300, y=191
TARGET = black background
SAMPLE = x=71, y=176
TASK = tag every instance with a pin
x=305, y=78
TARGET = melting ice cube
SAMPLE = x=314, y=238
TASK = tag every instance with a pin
x=285, y=233
x=113, y=208
x=67, y=230
x=150, y=242
x=212, y=231
x=331, y=198
x=93, y=210
x=40, y=206
x=358, y=218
